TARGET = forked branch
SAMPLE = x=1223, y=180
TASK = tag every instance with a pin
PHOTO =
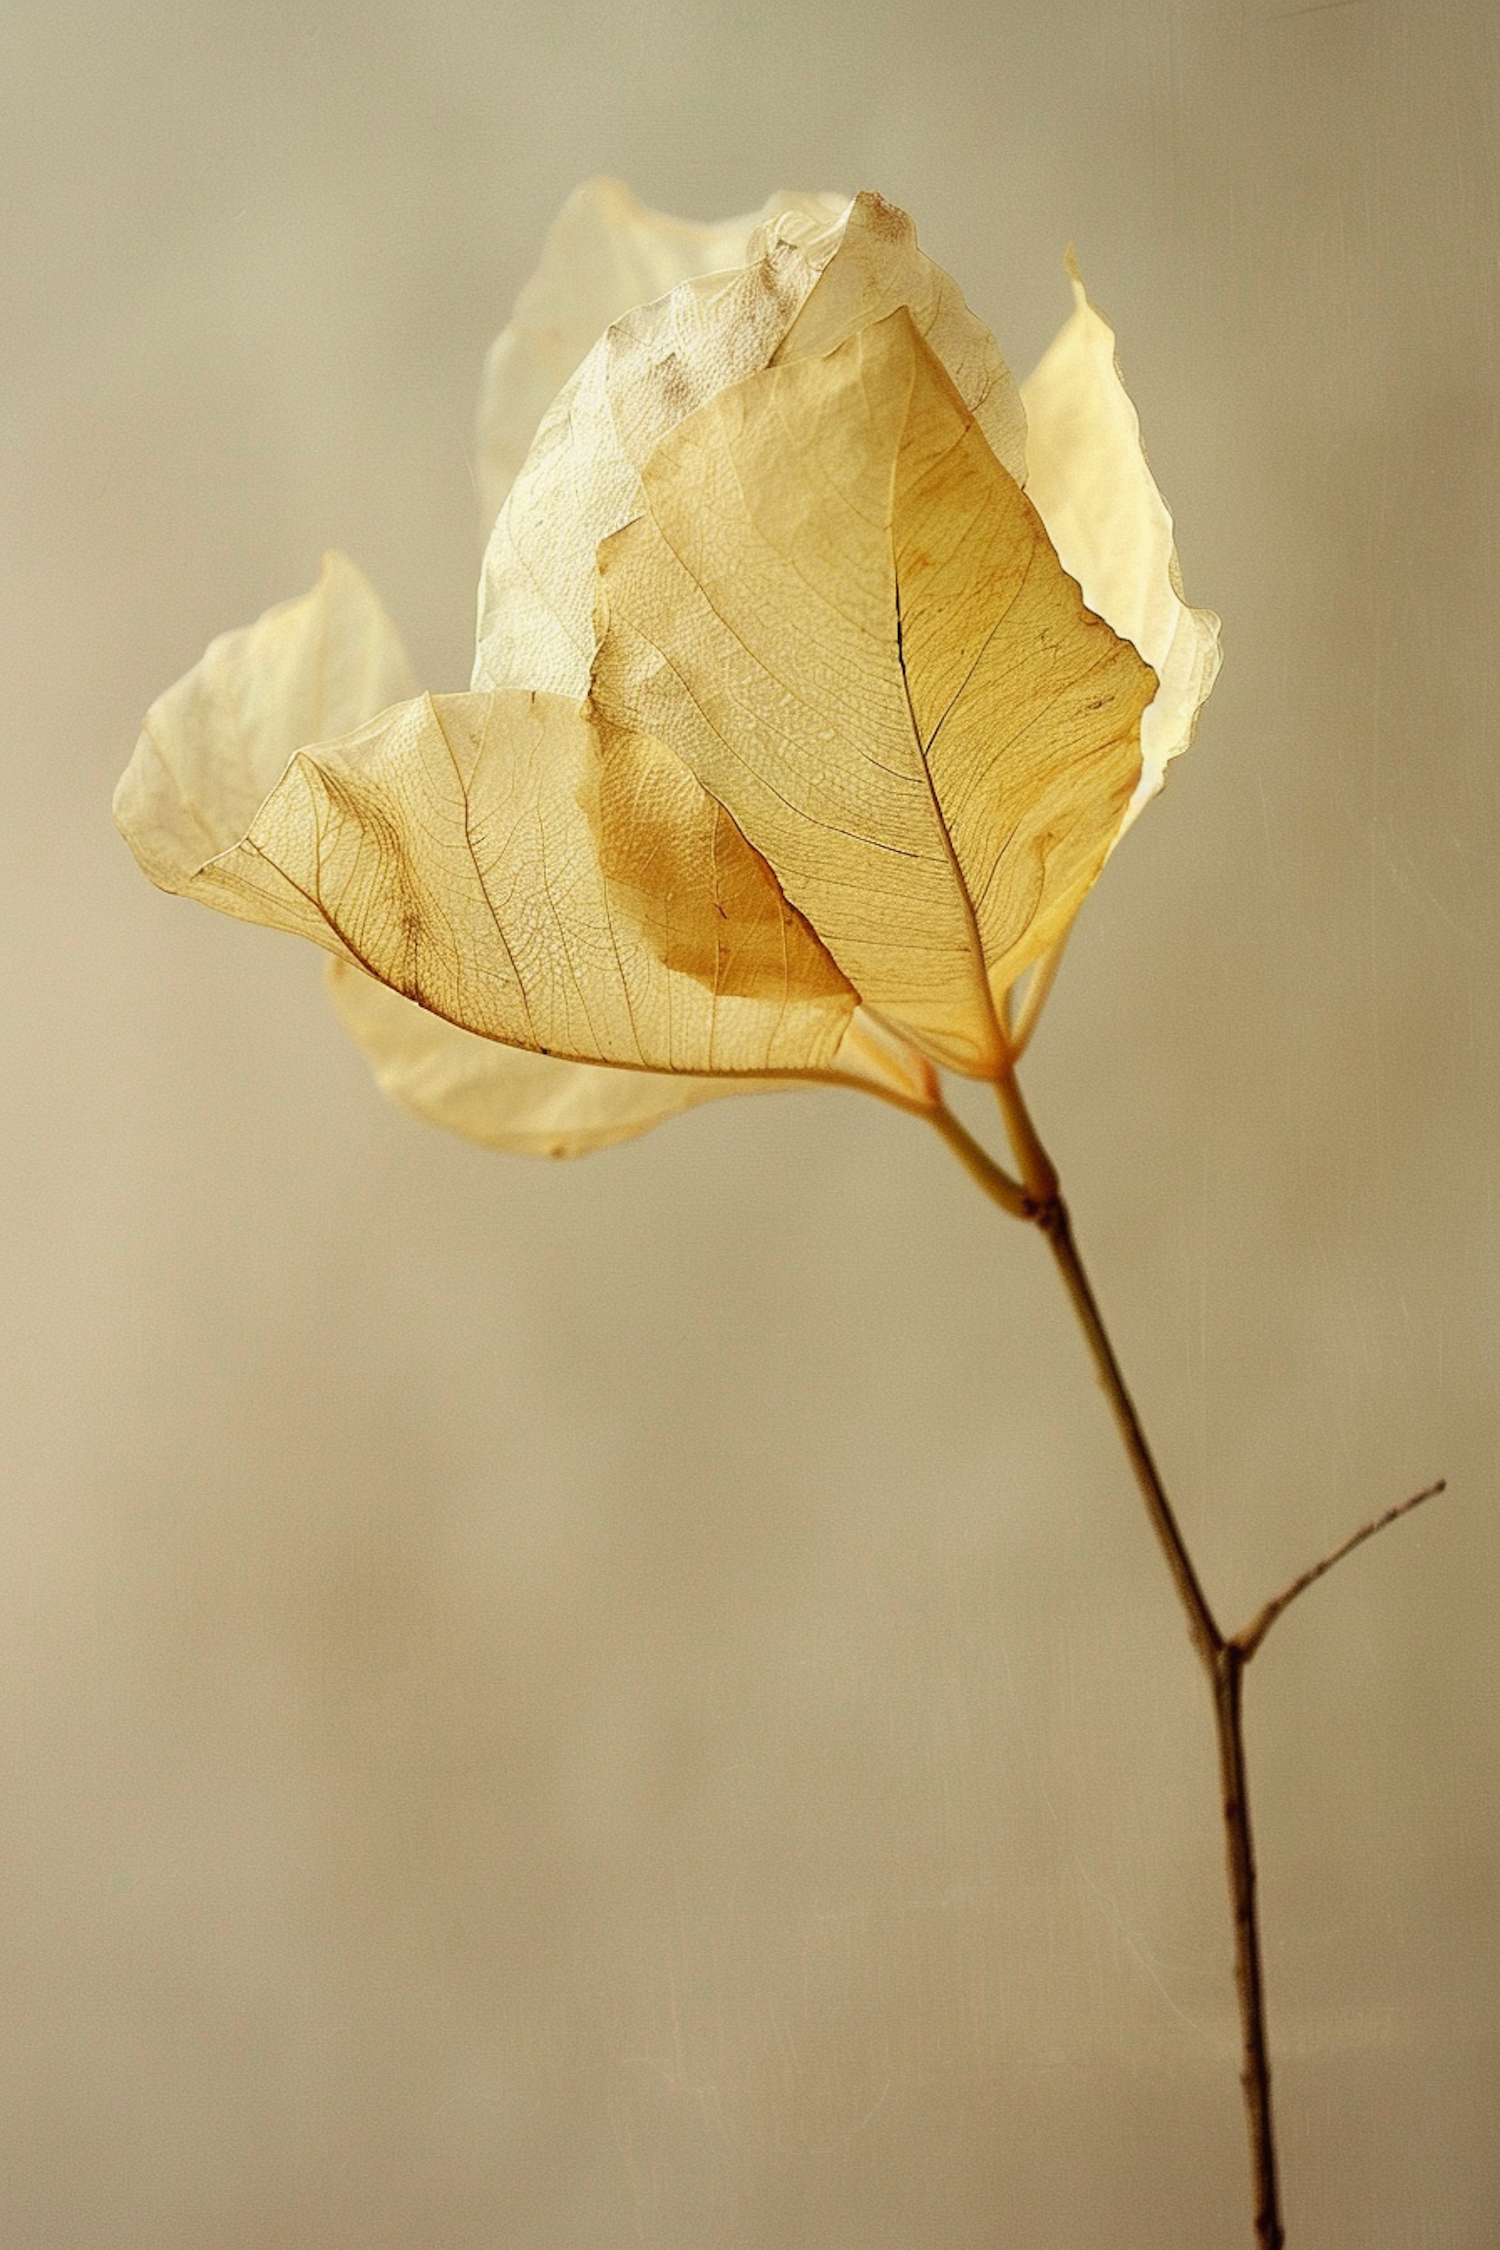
x=1248, y=1639
x=1036, y=1196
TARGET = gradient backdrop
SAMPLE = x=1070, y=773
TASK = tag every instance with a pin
x=631, y=1706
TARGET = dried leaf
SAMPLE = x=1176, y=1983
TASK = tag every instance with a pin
x=834, y=634
x=492, y=858
x=536, y=1105
x=503, y=1097
x=803, y=291
x=212, y=749
x=843, y=614
x=605, y=253
x=877, y=269
x=1089, y=481
x=214, y=746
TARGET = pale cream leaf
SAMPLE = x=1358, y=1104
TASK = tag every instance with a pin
x=604, y=254
x=877, y=269
x=214, y=746
x=1090, y=482
x=504, y=1097
x=803, y=291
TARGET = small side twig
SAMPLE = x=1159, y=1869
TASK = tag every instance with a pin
x=1250, y=1636
x=1224, y=1656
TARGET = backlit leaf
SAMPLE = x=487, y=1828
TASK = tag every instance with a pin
x=503, y=1097
x=214, y=746
x=1088, y=478
x=842, y=613
x=792, y=743
x=805, y=289
x=497, y=859
x=212, y=749
x=605, y=253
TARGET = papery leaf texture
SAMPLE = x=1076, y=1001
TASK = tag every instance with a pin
x=215, y=745
x=791, y=742
x=212, y=749
x=1087, y=476
x=840, y=610
x=505, y=1097
x=804, y=289
x=605, y=253
x=496, y=859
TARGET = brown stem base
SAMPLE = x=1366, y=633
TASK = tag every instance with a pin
x=1249, y=1979
x=1224, y=1656
x=1224, y=1662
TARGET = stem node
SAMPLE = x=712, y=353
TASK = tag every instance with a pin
x=1037, y=1196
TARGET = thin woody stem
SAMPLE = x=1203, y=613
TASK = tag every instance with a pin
x=1248, y=1639
x=1035, y=1165
x=1224, y=1662
x=1223, y=1656
x=1037, y=1197
x=1228, y=1676
x=1056, y=1225
x=979, y=1164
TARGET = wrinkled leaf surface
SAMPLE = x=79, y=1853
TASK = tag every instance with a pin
x=805, y=290
x=605, y=253
x=841, y=611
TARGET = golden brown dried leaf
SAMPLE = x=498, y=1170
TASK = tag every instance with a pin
x=492, y=858
x=835, y=634
x=212, y=749
x=842, y=613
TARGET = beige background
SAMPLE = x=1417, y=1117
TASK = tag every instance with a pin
x=632, y=1704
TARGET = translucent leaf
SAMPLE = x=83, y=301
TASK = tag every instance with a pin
x=604, y=254
x=503, y=1097
x=803, y=291
x=499, y=860
x=844, y=615
x=877, y=269
x=213, y=747
x=1088, y=478
x=844, y=688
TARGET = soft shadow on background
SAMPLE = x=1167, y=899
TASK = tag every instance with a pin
x=632, y=1704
